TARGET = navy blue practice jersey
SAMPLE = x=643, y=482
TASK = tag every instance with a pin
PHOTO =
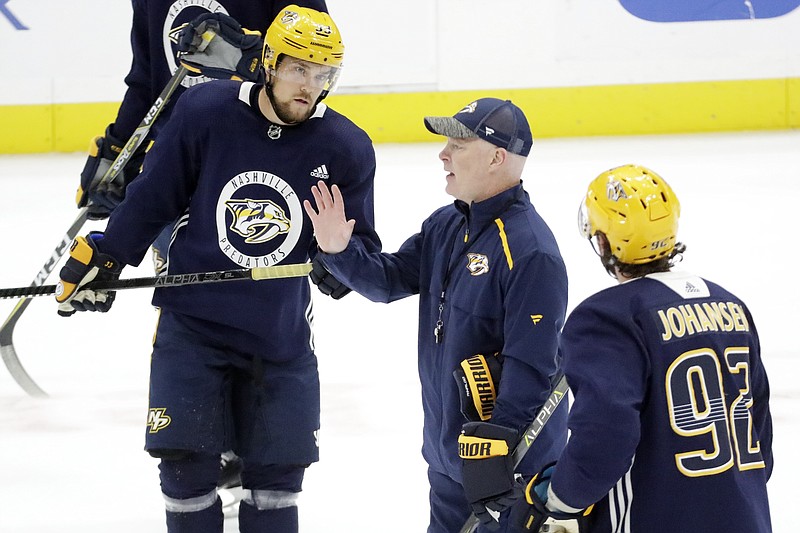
x=235, y=183
x=670, y=425
x=156, y=24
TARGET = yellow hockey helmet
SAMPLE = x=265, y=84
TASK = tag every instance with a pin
x=637, y=212
x=305, y=34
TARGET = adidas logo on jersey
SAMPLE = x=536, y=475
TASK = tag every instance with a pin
x=691, y=288
x=321, y=173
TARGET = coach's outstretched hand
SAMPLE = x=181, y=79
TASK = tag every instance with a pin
x=86, y=264
x=331, y=227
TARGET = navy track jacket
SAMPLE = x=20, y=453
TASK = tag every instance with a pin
x=505, y=291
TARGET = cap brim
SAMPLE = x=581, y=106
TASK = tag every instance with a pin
x=449, y=127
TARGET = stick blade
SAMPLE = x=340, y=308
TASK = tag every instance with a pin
x=10, y=357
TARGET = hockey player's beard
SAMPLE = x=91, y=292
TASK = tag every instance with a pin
x=284, y=111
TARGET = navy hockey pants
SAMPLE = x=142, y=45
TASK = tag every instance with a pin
x=209, y=393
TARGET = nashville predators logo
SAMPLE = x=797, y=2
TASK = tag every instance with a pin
x=175, y=32
x=535, y=319
x=257, y=220
x=157, y=419
x=615, y=192
x=477, y=264
x=470, y=108
x=289, y=17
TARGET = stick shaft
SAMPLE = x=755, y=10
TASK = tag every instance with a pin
x=141, y=131
x=176, y=280
x=9, y=354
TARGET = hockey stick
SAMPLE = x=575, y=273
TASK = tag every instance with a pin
x=295, y=270
x=9, y=354
x=7, y=351
x=531, y=433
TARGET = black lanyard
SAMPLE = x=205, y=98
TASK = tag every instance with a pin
x=438, y=331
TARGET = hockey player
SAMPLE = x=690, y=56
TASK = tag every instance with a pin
x=233, y=366
x=670, y=425
x=154, y=42
x=492, y=286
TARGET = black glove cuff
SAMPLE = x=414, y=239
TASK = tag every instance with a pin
x=325, y=281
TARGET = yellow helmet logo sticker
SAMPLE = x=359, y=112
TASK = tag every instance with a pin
x=615, y=191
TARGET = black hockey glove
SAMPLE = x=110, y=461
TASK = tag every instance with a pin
x=230, y=470
x=488, y=470
x=327, y=282
x=101, y=198
x=232, y=52
x=535, y=511
x=86, y=264
x=478, y=379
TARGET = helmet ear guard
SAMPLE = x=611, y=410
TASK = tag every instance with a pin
x=308, y=35
x=636, y=211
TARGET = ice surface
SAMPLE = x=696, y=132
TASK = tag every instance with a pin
x=73, y=463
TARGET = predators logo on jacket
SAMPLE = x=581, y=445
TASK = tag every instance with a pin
x=477, y=264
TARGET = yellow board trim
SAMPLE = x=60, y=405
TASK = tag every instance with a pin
x=793, y=102
x=504, y=240
x=635, y=109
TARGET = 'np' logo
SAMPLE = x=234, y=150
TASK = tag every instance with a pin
x=157, y=419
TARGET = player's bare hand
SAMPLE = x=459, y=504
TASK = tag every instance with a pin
x=331, y=227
